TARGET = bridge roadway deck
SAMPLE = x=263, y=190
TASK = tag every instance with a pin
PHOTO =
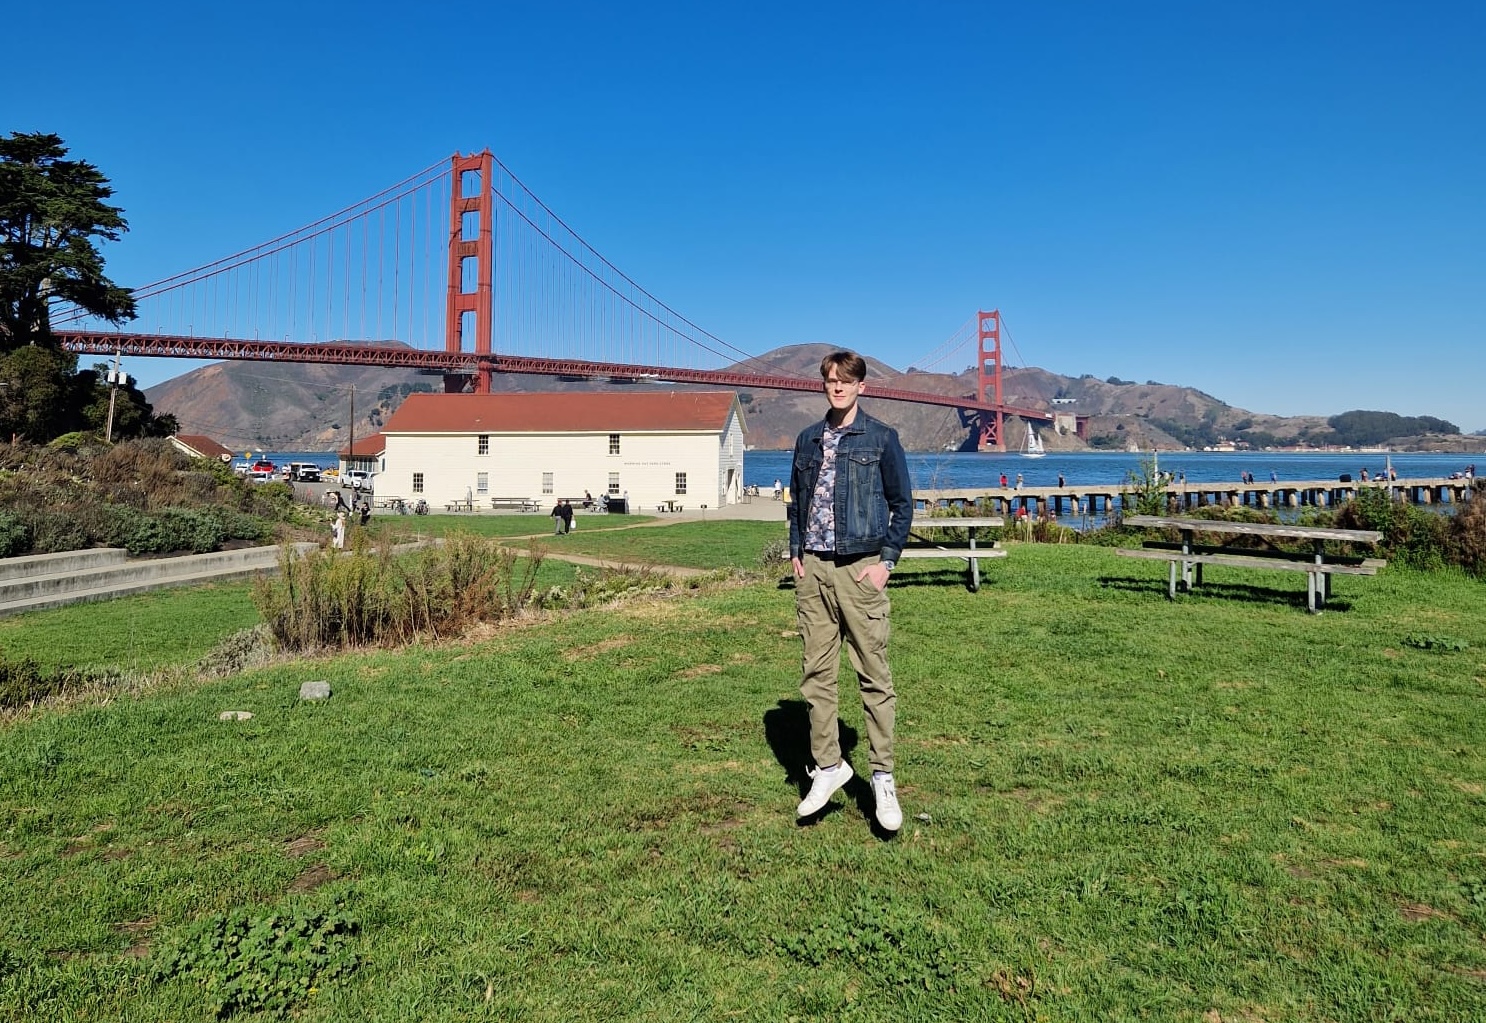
x=1102, y=499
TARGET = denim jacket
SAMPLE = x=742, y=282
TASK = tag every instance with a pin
x=874, y=498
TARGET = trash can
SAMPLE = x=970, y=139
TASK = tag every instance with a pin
x=618, y=506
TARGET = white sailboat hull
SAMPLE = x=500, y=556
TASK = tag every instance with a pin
x=1033, y=446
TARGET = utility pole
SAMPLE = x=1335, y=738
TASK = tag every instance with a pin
x=351, y=450
x=113, y=393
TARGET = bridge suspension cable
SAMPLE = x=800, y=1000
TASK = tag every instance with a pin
x=958, y=344
x=391, y=280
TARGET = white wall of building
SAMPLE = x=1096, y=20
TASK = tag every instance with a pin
x=647, y=464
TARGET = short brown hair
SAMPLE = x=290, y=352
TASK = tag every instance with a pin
x=849, y=366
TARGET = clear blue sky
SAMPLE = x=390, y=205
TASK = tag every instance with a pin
x=1280, y=203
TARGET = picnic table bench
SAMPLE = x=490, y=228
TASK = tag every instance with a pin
x=460, y=504
x=920, y=547
x=525, y=504
x=1318, y=565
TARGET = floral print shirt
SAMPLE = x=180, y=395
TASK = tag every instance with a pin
x=820, y=528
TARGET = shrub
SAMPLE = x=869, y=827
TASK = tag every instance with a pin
x=774, y=558
x=366, y=595
x=1411, y=536
x=133, y=529
x=594, y=588
x=23, y=682
x=15, y=535
x=78, y=440
x=54, y=531
x=187, y=529
x=1468, y=536
x=1148, y=486
x=142, y=495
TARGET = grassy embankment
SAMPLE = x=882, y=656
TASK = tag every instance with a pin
x=1118, y=807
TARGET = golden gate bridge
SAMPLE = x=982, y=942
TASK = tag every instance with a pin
x=461, y=270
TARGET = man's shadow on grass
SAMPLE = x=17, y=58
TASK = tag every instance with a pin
x=787, y=731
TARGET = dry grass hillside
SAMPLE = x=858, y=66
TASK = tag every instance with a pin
x=308, y=407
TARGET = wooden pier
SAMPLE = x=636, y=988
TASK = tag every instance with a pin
x=1106, y=499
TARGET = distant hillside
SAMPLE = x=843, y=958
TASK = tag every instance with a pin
x=286, y=407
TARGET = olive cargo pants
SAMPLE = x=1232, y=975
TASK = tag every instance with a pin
x=831, y=605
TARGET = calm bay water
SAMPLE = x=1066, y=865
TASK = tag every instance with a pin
x=954, y=469
x=948, y=470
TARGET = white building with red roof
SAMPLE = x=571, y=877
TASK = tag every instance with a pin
x=655, y=447
x=195, y=445
x=365, y=454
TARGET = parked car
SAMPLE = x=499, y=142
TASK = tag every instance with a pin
x=357, y=479
x=262, y=465
x=303, y=472
x=242, y=468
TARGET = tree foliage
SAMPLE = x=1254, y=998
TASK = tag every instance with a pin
x=52, y=210
x=1360, y=427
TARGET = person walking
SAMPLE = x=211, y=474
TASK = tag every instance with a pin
x=848, y=522
x=566, y=508
x=556, y=513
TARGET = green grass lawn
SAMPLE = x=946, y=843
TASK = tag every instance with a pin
x=1117, y=808
x=693, y=544
x=170, y=628
x=494, y=525
x=164, y=628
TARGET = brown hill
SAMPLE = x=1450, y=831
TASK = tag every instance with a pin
x=290, y=407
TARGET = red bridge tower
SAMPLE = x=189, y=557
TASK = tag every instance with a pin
x=988, y=382
x=480, y=249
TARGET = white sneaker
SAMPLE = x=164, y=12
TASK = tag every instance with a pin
x=823, y=787
x=889, y=815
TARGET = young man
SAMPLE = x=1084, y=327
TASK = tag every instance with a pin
x=848, y=520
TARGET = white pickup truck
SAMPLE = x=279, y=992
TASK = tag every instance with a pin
x=357, y=479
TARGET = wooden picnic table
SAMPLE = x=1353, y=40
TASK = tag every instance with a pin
x=525, y=504
x=1318, y=565
x=921, y=547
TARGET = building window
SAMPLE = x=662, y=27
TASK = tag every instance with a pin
x=614, y=484
x=680, y=483
x=484, y=444
x=417, y=483
x=546, y=483
x=482, y=482
x=613, y=443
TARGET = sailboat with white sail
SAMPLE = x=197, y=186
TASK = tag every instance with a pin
x=1033, y=446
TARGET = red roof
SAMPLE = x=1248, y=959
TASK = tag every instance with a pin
x=564, y=412
x=204, y=446
x=366, y=447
